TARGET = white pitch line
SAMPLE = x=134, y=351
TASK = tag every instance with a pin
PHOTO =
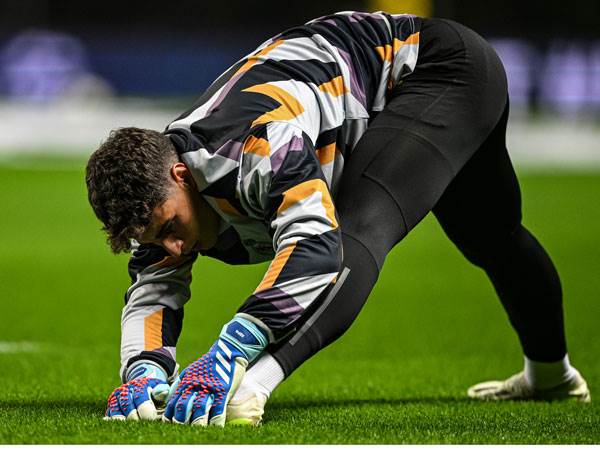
x=18, y=347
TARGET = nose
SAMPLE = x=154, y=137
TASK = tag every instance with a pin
x=173, y=246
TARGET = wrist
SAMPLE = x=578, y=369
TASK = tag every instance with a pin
x=145, y=369
x=160, y=359
x=246, y=336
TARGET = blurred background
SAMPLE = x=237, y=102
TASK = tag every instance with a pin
x=70, y=71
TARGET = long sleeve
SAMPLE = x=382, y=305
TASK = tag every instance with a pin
x=153, y=314
x=298, y=207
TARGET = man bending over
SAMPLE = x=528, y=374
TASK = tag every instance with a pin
x=319, y=152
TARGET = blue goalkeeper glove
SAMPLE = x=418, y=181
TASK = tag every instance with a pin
x=201, y=395
x=143, y=396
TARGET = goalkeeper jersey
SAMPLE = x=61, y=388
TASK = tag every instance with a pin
x=266, y=145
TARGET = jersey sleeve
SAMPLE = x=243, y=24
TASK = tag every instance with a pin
x=153, y=314
x=298, y=207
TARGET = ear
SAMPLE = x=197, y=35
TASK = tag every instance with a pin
x=182, y=175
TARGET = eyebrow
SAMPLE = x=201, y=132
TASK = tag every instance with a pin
x=163, y=229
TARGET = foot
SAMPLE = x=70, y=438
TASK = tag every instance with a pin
x=517, y=388
x=246, y=411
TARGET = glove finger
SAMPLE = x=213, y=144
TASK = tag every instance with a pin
x=147, y=410
x=121, y=417
x=201, y=410
x=140, y=392
x=144, y=400
x=113, y=411
x=169, y=409
x=171, y=400
x=125, y=401
x=218, y=414
x=184, y=406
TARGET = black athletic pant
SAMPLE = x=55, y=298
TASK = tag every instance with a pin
x=439, y=145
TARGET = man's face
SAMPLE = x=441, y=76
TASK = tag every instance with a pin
x=184, y=222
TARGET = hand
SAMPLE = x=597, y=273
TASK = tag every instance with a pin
x=139, y=398
x=205, y=386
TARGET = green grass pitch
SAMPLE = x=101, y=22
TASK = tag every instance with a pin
x=431, y=328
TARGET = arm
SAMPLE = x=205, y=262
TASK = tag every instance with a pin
x=297, y=205
x=306, y=235
x=151, y=324
x=152, y=317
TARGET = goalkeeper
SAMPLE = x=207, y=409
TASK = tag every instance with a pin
x=319, y=152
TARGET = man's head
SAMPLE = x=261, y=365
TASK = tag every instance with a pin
x=140, y=190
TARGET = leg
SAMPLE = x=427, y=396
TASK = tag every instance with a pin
x=429, y=129
x=377, y=209
x=371, y=225
x=403, y=163
x=480, y=211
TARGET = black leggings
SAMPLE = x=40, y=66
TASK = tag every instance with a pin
x=439, y=145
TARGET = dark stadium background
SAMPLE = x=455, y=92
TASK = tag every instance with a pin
x=179, y=47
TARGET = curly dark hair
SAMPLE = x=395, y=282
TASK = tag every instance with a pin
x=127, y=177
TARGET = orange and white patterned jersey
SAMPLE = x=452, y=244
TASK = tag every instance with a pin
x=266, y=145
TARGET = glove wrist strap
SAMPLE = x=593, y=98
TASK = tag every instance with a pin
x=246, y=336
x=145, y=369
